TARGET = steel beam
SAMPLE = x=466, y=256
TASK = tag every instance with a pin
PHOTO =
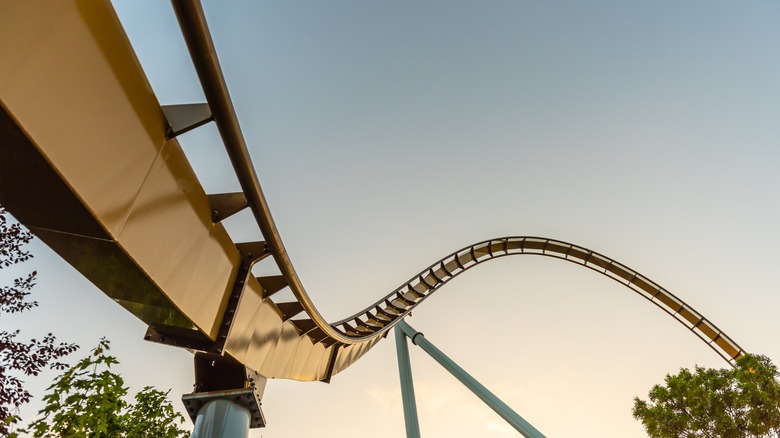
x=222, y=419
x=490, y=399
x=407, y=385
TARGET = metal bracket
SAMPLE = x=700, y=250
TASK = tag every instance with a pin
x=224, y=205
x=222, y=378
x=272, y=284
x=178, y=337
x=244, y=397
x=251, y=253
x=186, y=117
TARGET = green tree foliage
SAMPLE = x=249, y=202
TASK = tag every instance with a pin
x=87, y=400
x=743, y=402
x=152, y=415
x=20, y=358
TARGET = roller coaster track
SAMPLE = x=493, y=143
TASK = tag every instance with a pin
x=154, y=242
x=378, y=318
x=401, y=301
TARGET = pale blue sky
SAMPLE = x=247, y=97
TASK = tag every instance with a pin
x=388, y=134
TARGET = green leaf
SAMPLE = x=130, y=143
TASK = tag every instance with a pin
x=88, y=401
x=743, y=402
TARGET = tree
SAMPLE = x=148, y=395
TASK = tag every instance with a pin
x=19, y=357
x=743, y=402
x=87, y=400
x=152, y=416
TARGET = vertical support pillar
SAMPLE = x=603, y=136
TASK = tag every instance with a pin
x=227, y=398
x=407, y=385
x=490, y=399
x=222, y=419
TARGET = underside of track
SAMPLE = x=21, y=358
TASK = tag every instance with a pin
x=89, y=162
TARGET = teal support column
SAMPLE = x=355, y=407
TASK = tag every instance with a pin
x=490, y=399
x=407, y=386
x=222, y=419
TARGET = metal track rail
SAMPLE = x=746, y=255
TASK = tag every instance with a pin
x=397, y=304
x=378, y=318
x=204, y=56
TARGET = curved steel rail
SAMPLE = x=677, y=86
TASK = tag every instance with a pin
x=375, y=321
x=397, y=304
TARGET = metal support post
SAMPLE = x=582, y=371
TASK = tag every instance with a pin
x=227, y=398
x=490, y=399
x=407, y=385
x=222, y=419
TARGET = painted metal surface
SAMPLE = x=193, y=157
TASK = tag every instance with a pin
x=375, y=320
x=90, y=170
x=408, y=400
x=405, y=298
x=221, y=419
x=404, y=330
x=90, y=164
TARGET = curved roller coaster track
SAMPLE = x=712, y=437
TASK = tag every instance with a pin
x=402, y=300
x=378, y=318
x=141, y=227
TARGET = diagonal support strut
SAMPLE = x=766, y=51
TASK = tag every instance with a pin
x=403, y=331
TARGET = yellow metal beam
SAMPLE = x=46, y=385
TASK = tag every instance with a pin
x=87, y=165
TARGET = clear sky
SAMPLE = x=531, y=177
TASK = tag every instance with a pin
x=388, y=134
